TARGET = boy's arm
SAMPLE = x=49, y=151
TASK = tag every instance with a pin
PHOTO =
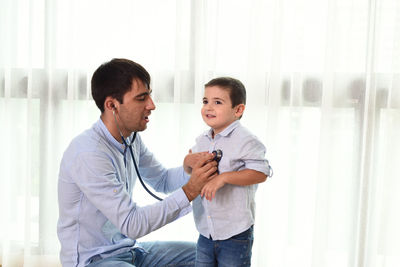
x=242, y=178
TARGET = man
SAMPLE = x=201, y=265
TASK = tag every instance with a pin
x=99, y=220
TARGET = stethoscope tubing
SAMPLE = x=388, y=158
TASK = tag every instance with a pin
x=136, y=167
x=133, y=157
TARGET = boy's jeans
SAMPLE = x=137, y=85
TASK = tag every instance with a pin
x=235, y=251
x=155, y=254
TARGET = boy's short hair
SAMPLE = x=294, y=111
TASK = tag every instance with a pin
x=114, y=78
x=237, y=91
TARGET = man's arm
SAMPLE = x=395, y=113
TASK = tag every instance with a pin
x=242, y=178
x=94, y=176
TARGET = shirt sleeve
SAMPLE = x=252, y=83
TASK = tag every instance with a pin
x=253, y=155
x=95, y=176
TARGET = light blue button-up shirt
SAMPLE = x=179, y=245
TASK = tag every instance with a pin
x=233, y=208
x=97, y=212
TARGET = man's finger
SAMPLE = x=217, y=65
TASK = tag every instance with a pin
x=209, y=168
x=203, y=159
x=215, y=174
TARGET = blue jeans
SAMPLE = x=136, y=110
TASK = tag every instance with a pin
x=235, y=251
x=154, y=254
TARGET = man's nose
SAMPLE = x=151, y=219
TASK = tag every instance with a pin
x=150, y=104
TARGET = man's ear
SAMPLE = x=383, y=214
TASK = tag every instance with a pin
x=110, y=103
x=239, y=109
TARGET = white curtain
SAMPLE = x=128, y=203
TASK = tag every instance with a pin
x=323, y=85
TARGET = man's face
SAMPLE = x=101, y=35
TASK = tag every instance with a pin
x=136, y=108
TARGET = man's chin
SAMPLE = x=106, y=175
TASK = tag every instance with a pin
x=141, y=129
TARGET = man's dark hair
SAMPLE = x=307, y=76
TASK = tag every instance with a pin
x=114, y=78
x=237, y=91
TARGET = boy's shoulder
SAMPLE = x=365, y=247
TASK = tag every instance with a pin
x=204, y=134
x=242, y=131
x=246, y=137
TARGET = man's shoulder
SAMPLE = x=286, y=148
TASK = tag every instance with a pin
x=86, y=139
x=86, y=142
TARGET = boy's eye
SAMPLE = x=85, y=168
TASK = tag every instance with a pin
x=218, y=102
x=205, y=102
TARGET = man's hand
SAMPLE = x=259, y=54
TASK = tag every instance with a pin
x=191, y=159
x=203, y=171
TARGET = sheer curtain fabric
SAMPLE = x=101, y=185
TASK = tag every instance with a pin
x=323, y=85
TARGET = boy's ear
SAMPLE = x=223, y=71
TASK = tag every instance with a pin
x=239, y=109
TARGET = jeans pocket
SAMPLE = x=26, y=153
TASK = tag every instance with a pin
x=246, y=236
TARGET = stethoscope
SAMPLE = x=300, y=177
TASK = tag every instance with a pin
x=133, y=158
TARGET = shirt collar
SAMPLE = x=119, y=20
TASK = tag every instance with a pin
x=226, y=131
x=103, y=129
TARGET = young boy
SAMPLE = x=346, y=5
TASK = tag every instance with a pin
x=224, y=212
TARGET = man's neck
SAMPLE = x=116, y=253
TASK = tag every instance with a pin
x=111, y=127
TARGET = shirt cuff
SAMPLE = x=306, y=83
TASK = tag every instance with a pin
x=182, y=202
x=266, y=169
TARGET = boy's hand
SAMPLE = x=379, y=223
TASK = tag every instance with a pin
x=191, y=159
x=212, y=187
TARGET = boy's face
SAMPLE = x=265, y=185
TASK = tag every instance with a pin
x=217, y=111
